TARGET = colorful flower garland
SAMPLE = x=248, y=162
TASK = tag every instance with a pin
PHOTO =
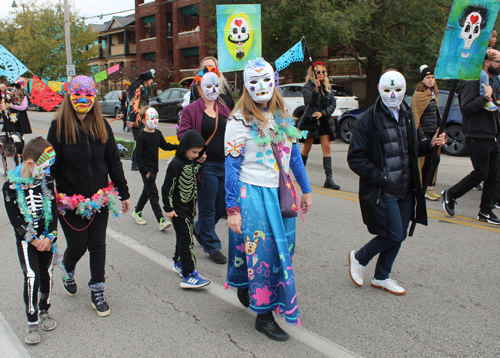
x=20, y=184
x=86, y=207
x=283, y=127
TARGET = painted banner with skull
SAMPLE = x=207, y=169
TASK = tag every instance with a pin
x=466, y=39
x=239, y=36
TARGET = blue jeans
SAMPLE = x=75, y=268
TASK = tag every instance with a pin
x=211, y=204
x=398, y=218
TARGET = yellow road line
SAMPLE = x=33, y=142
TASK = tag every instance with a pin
x=39, y=130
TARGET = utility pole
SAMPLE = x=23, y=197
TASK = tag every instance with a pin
x=70, y=69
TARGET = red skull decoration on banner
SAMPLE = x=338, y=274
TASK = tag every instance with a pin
x=43, y=96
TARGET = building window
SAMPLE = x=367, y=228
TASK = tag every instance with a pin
x=131, y=37
x=150, y=25
x=150, y=56
x=169, y=24
x=120, y=38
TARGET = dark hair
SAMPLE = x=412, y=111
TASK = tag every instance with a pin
x=481, y=10
x=35, y=148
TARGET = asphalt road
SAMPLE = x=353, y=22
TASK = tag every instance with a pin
x=450, y=270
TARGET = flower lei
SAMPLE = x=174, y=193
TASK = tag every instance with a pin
x=206, y=70
x=283, y=127
x=86, y=207
x=20, y=184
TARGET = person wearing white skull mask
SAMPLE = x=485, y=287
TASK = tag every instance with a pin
x=481, y=129
x=149, y=141
x=208, y=116
x=384, y=152
x=258, y=134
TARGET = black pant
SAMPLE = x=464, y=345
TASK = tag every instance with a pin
x=93, y=238
x=484, y=155
x=184, y=244
x=429, y=158
x=150, y=191
x=135, y=132
x=18, y=157
x=37, y=270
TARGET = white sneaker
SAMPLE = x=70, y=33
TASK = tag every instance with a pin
x=356, y=270
x=388, y=285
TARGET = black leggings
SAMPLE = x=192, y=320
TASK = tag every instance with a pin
x=150, y=192
x=93, y=238
x=37, y=270
x=184, y=244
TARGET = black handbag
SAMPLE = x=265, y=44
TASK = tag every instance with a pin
x=308, y=122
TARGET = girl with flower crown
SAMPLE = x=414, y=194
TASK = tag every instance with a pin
x=208, y=116
x=261, y=240
x=86, y=159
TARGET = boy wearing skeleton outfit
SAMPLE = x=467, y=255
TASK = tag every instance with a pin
x=179, y=202
x=31, y=206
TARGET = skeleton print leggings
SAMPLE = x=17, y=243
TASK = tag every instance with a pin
x=37, y=268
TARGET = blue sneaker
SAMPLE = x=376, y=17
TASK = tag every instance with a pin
x=178, y=268
x=194, y=281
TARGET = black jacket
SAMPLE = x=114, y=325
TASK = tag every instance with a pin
x=477, y=122
x=83, y=167
x=146, y=150
x=366, y=157
x=179, y=188
x=429, y=121
x=321, y=101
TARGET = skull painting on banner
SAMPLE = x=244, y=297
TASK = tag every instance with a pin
x=473, y=20
x=240, y=33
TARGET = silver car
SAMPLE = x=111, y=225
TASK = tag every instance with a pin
x=110, y=103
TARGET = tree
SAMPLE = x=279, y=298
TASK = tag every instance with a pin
x=35, y=35
x=163, y=71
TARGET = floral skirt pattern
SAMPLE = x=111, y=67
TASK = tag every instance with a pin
x=261, y=258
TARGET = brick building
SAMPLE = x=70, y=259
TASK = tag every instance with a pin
x=172, y=30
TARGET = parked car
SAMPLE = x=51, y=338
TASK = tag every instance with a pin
x=455, y=145
x=292, y=95
x=169, y=103
x=110, y=104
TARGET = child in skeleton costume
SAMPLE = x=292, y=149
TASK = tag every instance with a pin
x=261, y=240
x=17, y=124
x=179, y=202
x=148, y=143
x=90, y=181
x=31, y=206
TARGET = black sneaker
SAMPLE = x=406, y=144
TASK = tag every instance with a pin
x=496, y=204
x=99, y=300
x=448, y=203
x=69, y=283
x=488, y=217
x=218, y=257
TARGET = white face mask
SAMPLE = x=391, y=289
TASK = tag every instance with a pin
x=392, y=88
x=152, y=118
x=210, y=86
x=259, y=80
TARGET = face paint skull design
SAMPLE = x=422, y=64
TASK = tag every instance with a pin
x=259, y=80
x=82, y=94
x=239, y=35
x=210, y=86
x=42, y=166
x=392, y=88
x=151, y=118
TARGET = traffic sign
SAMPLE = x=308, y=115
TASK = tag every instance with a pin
x=70, y=70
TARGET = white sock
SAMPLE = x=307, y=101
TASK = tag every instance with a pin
x=32, y=323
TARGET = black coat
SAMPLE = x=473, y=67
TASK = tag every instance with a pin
x=477, y=122
x=83, y=167
x=321, y=101
x=366, y=158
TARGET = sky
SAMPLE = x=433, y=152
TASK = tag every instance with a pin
x=86, y=8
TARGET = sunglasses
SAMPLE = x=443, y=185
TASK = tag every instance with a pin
x=320, y=72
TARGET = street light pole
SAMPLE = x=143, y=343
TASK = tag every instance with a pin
x=69, y=58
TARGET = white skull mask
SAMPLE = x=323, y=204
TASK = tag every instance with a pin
x=239, y=29
x=392, y=88
x=151, y=118
x=259, y=80
x=470, y=31
x=210, y=86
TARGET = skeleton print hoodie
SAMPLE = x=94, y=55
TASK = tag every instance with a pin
x=179, y=188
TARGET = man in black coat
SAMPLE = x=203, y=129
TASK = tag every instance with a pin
x=480, y=128
x=384, y=152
